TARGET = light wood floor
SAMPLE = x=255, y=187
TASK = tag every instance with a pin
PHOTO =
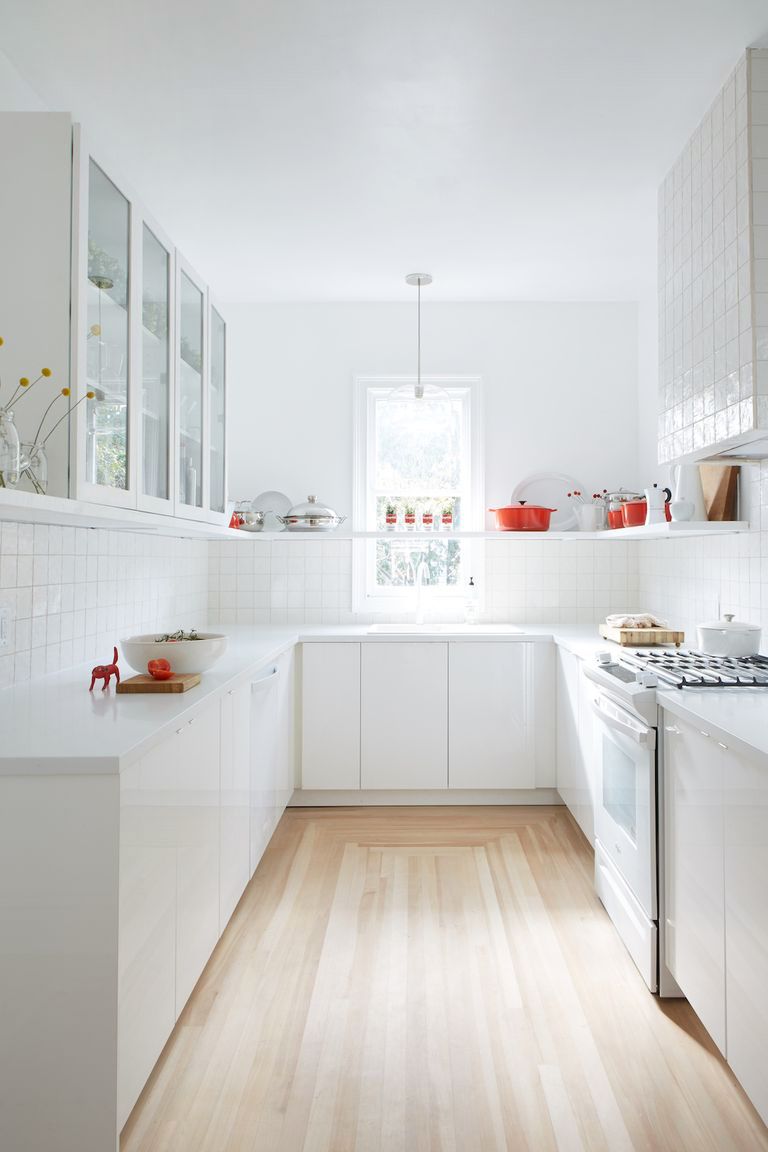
x=433, y=978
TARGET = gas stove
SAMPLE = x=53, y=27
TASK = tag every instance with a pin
x=632, y=676
x=685, y=668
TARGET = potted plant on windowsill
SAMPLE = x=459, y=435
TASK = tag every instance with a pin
x=391, y=517
x=427, y=520
x=446, y=518
x=410, y=517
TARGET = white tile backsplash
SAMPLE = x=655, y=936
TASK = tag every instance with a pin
x=525, y=582
x=696, y=579
x=73, y=593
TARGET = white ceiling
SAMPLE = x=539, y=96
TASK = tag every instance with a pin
x=319, y=151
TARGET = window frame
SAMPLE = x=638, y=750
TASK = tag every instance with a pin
x=398, y=600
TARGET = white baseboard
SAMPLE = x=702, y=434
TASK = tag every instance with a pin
x=320, y=798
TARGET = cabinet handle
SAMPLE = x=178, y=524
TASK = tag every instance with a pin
x=703, y=733
x=191, y=722
x=179, y=731
x=723, y=746
x=231, y=692
x=672, y=728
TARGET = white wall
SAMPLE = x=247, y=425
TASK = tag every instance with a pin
x=560, y=383
x=15, y=94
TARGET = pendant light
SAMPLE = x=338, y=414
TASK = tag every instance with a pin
x=416, y=280
x=419, y=390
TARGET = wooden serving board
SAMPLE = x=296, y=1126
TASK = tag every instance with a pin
x=179, y=682
x=642, y=637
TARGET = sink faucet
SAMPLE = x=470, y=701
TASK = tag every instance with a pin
x=421, y=572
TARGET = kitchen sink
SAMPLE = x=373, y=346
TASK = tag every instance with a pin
x=444, y=629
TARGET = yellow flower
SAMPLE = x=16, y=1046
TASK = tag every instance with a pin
x=1, y=340
x=90, y=395
x=45, y=371
x=24, y=382
x=95, y=329
x=65, y=391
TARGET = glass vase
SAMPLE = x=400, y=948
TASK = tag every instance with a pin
x=10, y=450
x=34, y=466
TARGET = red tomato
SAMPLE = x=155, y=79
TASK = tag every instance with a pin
x=160, y=669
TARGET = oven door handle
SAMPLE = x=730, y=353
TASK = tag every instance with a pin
x=637, y=732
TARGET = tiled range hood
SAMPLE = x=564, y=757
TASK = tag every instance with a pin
x=713, y=279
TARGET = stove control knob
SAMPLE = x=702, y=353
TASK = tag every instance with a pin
x=647, y=679
x=604, y=657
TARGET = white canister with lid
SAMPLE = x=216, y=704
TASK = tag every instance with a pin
x=729, y=637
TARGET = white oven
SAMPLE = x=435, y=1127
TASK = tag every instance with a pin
x=625, y=827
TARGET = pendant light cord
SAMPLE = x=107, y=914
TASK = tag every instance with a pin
x=418, y=338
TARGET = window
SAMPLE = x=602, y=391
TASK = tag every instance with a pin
x=417, y=489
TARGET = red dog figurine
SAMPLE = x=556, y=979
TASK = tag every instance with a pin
x=104, y=672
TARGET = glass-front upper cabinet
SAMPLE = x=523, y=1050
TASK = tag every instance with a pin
x=191, y=391
x=156, y=336
x=148, y=401
x=107, y=433
x=218, y=412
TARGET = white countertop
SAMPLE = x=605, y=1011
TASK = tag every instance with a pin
x=738, y=715
x=54, y=724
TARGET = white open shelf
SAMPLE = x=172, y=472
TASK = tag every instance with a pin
x=644, y=532
x=31, y=508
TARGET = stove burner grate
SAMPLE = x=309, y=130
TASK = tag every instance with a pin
x=691, y=669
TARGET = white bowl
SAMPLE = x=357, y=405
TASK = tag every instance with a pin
x=182, y=655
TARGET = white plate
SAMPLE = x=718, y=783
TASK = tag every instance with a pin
x=274, y=504
x=550, y=490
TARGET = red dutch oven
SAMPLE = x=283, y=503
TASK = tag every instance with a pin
x=522, y=517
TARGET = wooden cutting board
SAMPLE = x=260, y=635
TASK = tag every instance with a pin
x=642, y=637
x=179, y=682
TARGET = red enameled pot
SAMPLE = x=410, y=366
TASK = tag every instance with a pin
x=523, y=517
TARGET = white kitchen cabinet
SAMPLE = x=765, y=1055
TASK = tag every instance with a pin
x=404, y=715
x=491, y=717
x=283, y=776
x=264, y=754
x=575, y=748
x=273, y=750
x=330, y=741
x=693, y=869
x=235, y=806
x=196, y=755
x=746, y=920
x=147, y=912
x=168, y=891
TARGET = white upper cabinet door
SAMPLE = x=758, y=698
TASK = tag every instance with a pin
x=156, y=445
x=217, y=414
x=106, y=337
x=235, y=811
x=490, y=708
x=197, y=911
x=191, y=394
x=693, y=866
x=746, y=921
x=330, y=743
x=404, y=715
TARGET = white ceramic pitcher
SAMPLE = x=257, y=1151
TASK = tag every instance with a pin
x=686, y=481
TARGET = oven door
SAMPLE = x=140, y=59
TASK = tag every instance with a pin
x=625, y=800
